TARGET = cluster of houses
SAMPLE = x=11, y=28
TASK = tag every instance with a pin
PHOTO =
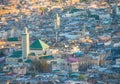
x=80, y=44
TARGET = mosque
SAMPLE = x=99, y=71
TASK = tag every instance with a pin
x=29, y=52
x=37, y=50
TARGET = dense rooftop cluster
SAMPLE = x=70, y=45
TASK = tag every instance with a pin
x=84, y=49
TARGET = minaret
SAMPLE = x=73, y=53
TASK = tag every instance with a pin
x=25, y=43
x=100, y=58
x=58, y=20
x=57, y=25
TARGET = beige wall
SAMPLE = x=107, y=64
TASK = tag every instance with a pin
x=75, y=1
x=41, y=52
x=37, y=52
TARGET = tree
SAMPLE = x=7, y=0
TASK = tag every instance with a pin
x=82, y=77
x=39, y=66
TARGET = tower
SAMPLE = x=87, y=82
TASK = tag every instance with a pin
x=57, y=25
x=25, y=43
x=57, y=21
x=100, y=58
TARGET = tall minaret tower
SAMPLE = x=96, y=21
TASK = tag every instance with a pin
x=25, y=43
x=57, y=25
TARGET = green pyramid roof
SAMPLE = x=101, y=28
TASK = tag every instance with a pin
x=38, y=45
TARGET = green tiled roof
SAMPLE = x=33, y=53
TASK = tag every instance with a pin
x=74, y=75
x=16, y=54
x=28, y=61
x=49, y=57
x=12, y=39
x=38, y=45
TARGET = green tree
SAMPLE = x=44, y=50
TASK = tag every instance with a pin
x=39, y=66
x=44, y=65
x=82, y=77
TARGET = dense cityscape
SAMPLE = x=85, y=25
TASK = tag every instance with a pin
x=59, y=41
